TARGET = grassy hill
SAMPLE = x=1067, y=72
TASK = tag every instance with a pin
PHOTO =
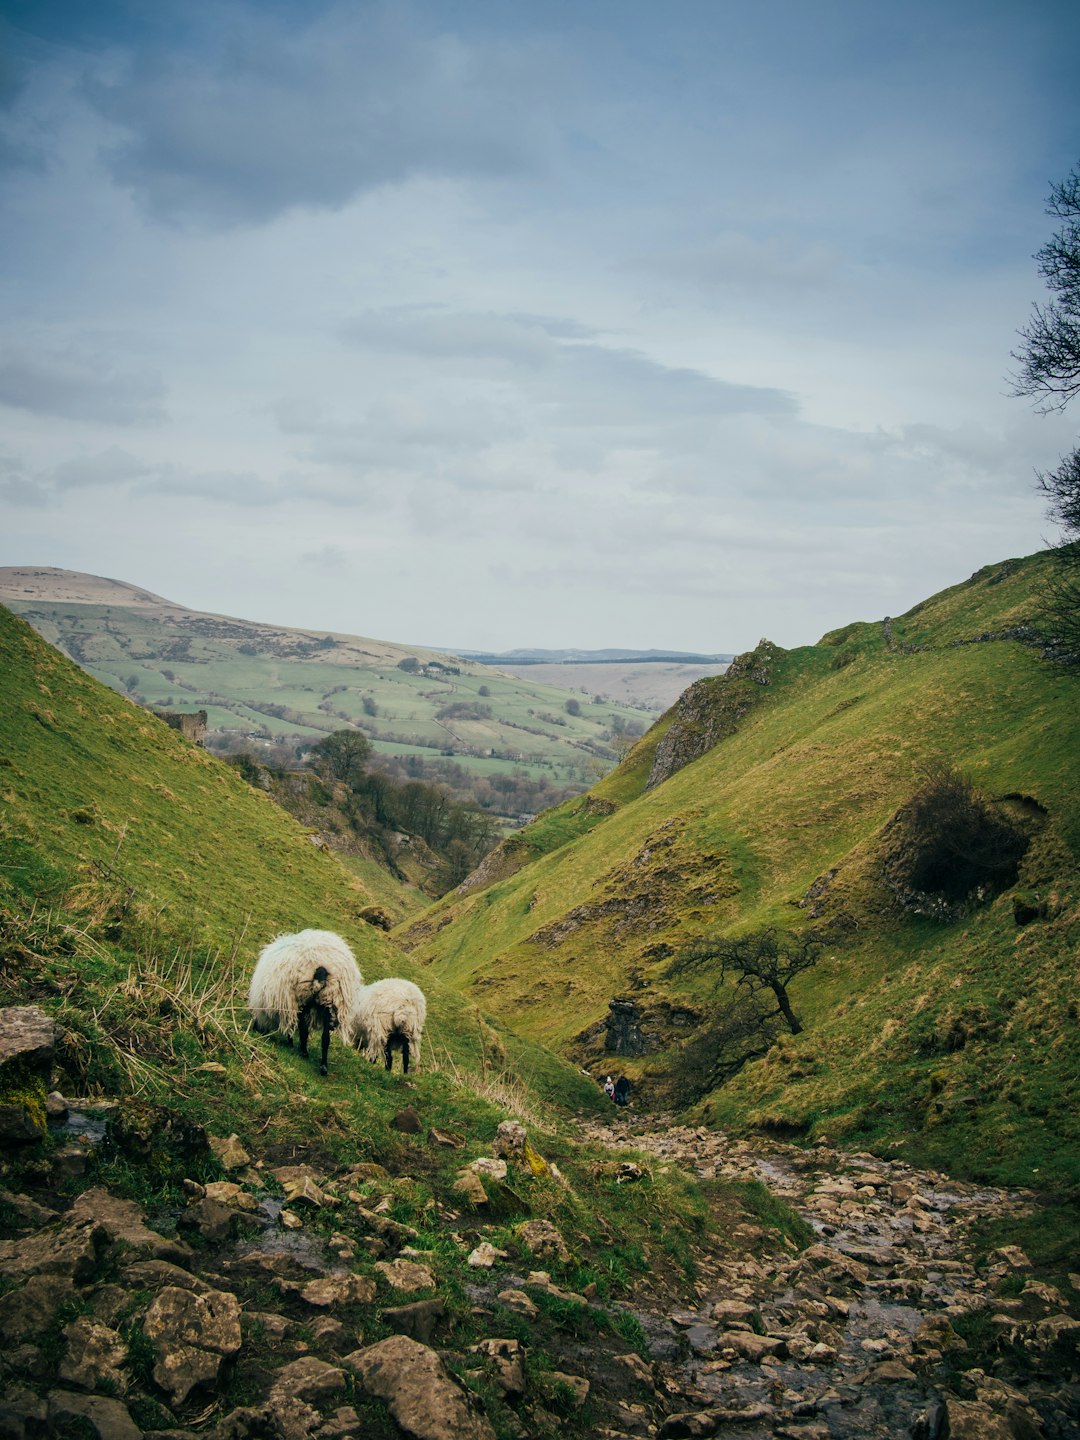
x=139, y=876
x=278, y=684
x=768, y=798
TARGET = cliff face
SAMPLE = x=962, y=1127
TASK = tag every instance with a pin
x=712, y=709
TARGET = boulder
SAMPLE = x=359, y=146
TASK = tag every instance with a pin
x=192, y=1336
x=541, y=1239
x=417, y=1320
x=27, y=1312
x=752, y=1347
x=94, y=1353
x=406, y=1275
x=468, y=1185
x=423, y=1399
x=333, y=1290
x=507, y=1359
x=27, y=1038
x=230, y=1154
x=123, y=1221
x=74, y=1414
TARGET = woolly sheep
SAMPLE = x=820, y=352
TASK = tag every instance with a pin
x=299, y=977
x=388, y=1015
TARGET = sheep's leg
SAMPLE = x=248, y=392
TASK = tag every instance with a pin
x=305, y=1024
x=389, y=1056
x=405, y=1053
x=323, y=1069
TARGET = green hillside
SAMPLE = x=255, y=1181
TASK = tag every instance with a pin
x=277, y=685
x=764, y=798
x=139, y=876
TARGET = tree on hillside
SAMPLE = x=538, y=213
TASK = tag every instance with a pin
x=343, y=755
x=764, y=961
x=1050, y=373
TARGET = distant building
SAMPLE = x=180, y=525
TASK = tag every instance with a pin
x=192, y=725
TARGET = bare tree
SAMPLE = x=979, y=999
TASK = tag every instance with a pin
x=764, y=961
x=1050, y=374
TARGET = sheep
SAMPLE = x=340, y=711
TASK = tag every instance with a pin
x=297, y=977
x=388, y=1015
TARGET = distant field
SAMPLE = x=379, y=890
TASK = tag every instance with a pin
x=653, y=685
x=269, y=685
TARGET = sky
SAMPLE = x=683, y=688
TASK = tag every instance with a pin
x=482, y=325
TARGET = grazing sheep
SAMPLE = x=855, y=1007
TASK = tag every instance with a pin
x=388, y=1015
x=297, y=977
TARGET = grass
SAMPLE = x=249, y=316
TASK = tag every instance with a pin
x=953, y=1043
x=324, y=686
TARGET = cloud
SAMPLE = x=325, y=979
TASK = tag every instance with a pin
x=80, y=384
x=268, y=113
x=581, y=383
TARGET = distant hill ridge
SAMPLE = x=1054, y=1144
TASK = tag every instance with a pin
x=591, y=657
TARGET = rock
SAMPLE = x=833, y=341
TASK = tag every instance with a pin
x=728, y=1310
x=159, y=1135
x=56, y=1108
x=227, y=1192
x=423, y=1399
x=290, y=1220
x=406, y=1275
x=304, y=1191
x=72, y=1251
x=639, y=1368
x=541, y=1239
x=123, y=1221
x=508, y=1361
x=485, y=1255
x=407, y=1121
x=519, y=1303
x=94, y=1354
x=153, y=1274
x=468, y=1185
x=393, y=1232
x=493, y=1168
x=71, y=1162
x=96, y=1414
x=1056, y=1329
x=889, y=1371
x=212, y=1219
x=192, y=1335
x=970, y=1420
x=27, y=1312
x=417, y=1320
x=26, y=1210
x=334, y=1290
x=27, y=1041
x=510, y=1140
x=272, y=1326
x=557, y=1384
x=230, y=1154
x=449, y=1139
x=690, y=1425
x=752, y=1347
x=309, y=1379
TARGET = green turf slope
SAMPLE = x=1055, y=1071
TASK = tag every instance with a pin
x=959, y=1042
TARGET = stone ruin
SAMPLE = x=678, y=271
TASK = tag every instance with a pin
x=192, y=724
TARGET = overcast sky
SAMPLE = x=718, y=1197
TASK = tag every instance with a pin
x=494, y=324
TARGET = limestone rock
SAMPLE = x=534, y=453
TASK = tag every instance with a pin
x=510, y=1140
x=519, y=1303
x=469, y=1186
x=192, y=1335
x=406, y=1275
x=752, y=1347
x=94, y=1353
x=107, y=1419
x=970, y=1420
x=73, y=1251
x=507, y=1358
x=557, y=1382
x=230, y=1154
x=27, y=1312
x=231, y=1194
x=541, y=1239
x=493, y=1168
x=123, y=1221
x=418, y=1320
x=485, y=1255
x=423, y=1399
x=27, y=1040
x=333, y=1290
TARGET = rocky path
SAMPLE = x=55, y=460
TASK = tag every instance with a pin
x=859, y=1335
